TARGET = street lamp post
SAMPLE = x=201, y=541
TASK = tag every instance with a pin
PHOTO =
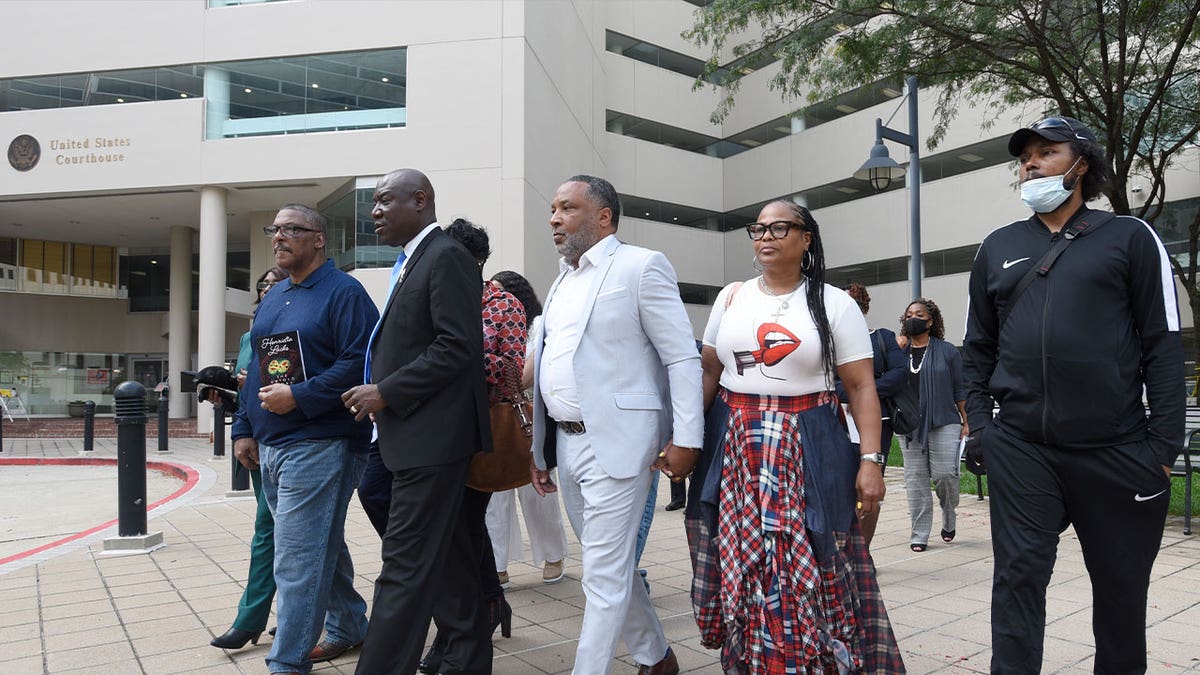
x=880, y=170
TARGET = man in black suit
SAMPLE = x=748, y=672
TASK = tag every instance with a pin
x=427, y=394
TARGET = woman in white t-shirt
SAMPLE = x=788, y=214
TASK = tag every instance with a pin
x=797, y=590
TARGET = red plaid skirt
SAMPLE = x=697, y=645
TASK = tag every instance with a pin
x=779, y=609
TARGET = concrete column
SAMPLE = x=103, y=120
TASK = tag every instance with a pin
x=179, y=319
x=213, y=248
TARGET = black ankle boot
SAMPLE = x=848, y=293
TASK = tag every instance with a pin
x=235, y=638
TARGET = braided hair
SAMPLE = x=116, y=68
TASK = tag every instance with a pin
x=814, y=290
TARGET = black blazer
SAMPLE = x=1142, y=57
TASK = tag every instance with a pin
x=427, y=360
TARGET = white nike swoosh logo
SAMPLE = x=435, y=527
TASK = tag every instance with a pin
x=1139, y=498
x=1010, y=263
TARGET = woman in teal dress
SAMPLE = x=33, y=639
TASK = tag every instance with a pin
x=255, y=606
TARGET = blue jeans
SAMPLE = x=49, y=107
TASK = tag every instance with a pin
x=308, y=486
x=644, y=529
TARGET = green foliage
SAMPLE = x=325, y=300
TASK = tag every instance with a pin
x=1128, y=68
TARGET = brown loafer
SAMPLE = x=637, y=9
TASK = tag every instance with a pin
x=668, y=666
x=328, y=651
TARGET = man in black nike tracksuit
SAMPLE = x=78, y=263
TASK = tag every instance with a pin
x=1066, y=357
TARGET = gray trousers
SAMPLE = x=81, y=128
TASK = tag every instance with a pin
x=938, y=462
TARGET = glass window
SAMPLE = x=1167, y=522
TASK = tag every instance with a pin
x=297, y=94
x=352, y=240
x=325, y=92
x=48, y=383
x=106, y=88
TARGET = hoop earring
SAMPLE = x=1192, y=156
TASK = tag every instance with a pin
x=754, y=261
x=807, y=261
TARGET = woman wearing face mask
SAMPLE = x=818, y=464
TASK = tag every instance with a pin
x=934, y=394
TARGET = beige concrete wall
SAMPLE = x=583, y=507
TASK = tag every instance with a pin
x=51, y=323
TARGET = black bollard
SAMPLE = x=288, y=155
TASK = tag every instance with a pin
x=239, y=476
x=89, y=426
x=130, y=397
x=218, y=430
x=164, y=406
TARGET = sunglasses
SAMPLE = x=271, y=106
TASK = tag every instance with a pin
x=264, y=285
x=779, y=229
x=1060, y=123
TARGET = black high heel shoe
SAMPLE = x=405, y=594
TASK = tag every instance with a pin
x=500, y=614
x=432, y=661
x=235, y=638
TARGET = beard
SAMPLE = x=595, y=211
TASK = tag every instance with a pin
x=576, y=243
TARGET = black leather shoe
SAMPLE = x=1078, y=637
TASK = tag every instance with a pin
x=432, y=661
x=235, y=639
x=676, y=504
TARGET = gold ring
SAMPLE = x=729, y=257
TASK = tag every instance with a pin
x=354, y=409
x=859, y=505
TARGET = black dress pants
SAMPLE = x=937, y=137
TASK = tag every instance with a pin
x=1117, y=500
x=427, y=560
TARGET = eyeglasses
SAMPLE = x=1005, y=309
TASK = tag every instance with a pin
x=779, y=229
x=1060, y=123
x=289, y=231
x=264, y=285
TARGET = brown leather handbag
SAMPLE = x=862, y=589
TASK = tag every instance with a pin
x=507, y=465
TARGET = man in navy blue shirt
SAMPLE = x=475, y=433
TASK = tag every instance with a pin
x=310, y=337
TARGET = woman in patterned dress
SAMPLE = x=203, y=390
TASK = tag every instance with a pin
x=504, y=358
x=791, y=586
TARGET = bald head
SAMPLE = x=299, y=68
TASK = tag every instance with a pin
x=404, y=206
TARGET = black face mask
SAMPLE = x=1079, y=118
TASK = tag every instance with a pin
x=915, y=326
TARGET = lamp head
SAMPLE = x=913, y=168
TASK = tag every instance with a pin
x=880, y=169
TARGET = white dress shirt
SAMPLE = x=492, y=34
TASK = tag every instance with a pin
x=565, y=317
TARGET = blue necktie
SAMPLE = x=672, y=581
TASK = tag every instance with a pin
x=375, y=330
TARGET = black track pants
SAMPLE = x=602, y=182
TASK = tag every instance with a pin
x=1117, y=500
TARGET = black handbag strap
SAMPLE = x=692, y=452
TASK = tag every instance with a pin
x=1091, y=221
x=878, y=338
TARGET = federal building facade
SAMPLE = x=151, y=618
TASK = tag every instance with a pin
x=148, y=143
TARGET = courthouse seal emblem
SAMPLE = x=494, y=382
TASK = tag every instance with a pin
x=24, y=152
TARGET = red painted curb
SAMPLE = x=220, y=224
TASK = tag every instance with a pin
x=189, y=476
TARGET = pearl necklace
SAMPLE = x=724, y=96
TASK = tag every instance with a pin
x=916, y=369
x=783, y=302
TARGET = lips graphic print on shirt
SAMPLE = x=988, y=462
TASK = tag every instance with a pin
x=774, y=341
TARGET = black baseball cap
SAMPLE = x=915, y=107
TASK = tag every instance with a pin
x=1057, y=129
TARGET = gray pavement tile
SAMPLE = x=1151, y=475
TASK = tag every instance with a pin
x=165, y=643
x=19, y=617
x=118, y=652
x=175, y=599
x=77, y=609
x=20, y=649
x=85, y=638
x=156, y=612
x=19, y=605
x=123, y=603
x=78, y=623
x=29, y=665
x=172, y=624
x=207, y=659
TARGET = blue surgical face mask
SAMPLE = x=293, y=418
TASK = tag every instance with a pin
x=1043, y=195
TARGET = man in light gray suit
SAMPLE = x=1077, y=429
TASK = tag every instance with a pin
x=617, y=396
